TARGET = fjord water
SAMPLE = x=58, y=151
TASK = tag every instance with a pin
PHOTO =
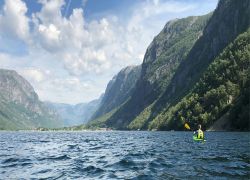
x=123, y=155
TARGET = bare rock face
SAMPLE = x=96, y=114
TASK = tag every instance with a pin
x=163, y=56
x=16, y=89
x=118, y=89
x=21, y=104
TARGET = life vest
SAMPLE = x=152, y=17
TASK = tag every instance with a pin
x=200, y=134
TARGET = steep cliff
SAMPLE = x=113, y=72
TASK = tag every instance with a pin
x=161, y=60
x=20, y=107
x=222, y=94
x=118, y=90
x=230, y=19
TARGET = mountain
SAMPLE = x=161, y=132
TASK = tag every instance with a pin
x=222, y=93
x=20, y=107
x=175, y=64
x=161, y=60
x=230, y=19
x=73, y=115
x=118, y=90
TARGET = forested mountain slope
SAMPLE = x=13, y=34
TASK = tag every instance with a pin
x=223, y=90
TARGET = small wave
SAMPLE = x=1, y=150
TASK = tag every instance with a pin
x=72, y=146
x=13, y=160
x=63, y=157
x=216, y=158
x=95, y=148
x=244, y=157
x=93, y=169
x=42, y=171
x=143, y=176
x=127, y=162
x=44, y=141
x=123, y=164
x=89, y=170
x=16, y=164
x=90, y=140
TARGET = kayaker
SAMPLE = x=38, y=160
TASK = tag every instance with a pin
x=199, y=133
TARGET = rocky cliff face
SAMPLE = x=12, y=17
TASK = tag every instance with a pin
x=118, y=90
x=161, y=60
x=20, y=105
x=230, y=19
x=16, y=89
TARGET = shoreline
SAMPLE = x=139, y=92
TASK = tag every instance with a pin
x=89, y=130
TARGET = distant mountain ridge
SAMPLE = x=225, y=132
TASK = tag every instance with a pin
x=20, y=107
x=73, y=115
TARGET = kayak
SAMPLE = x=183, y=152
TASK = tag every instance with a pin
x=198, y=139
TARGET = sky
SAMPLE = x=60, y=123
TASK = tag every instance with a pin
x=69, y=49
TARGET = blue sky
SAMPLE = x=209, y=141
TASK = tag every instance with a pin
x=69, y=49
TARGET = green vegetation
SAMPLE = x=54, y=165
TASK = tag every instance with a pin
x=140, y=121
x=20, y=107
x=14, y=116
x=161, y=61
x=100, y=122
x=224, y=87
x=183, y=34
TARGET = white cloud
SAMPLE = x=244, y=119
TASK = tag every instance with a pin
x=13, y=21
x=84, y=48
x=50, y=12
x=35, y=75
x=70, y=90
x=150, y=9
x=96, y=46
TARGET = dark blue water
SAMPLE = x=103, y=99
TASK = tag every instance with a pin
x=123, y=155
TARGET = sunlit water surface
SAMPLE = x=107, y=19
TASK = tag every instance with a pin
x=123, y=155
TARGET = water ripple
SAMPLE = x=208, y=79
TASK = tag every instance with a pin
x=123, y=155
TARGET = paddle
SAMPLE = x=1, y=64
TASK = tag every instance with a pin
x=187, y=126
